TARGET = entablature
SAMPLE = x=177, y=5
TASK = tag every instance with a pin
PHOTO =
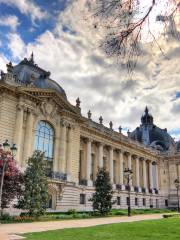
x=118, y=145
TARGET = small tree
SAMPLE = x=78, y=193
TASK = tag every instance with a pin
x=13, y=182
x=35, y=194
x=102, y=198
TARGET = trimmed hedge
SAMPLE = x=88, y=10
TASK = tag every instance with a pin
x=171, y=215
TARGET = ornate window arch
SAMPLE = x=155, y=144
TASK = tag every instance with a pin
x=44, y=139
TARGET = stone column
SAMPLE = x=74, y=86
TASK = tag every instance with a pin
x=100, y=155
x=157, y=177
x=129, y=161
x=130, y=167
x=18, y=131
x=121, y=170
x=89, y=163
x=111, y=172
x=56, y=148
x=116, y=167
x=137, y=173
x=150, y=175
x=62, y=162
x=69, y=154
x=95, y=169
x=28, y=135
x=144, y=174
x=178, y=170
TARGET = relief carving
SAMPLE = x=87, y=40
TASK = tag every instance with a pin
x=67, y=123
x=48, y=109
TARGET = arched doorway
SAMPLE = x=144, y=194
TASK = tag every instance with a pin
x=52, y=191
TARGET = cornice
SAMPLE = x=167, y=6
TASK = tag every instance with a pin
x=115, y=142
x=16, y=91
x=7, y=88
x=44, y=93
x=39, y=95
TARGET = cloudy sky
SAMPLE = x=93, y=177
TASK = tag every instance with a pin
x=59, y=33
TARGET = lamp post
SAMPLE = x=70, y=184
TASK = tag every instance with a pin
x=128, y=173
x=177, y=185
x=6, y=151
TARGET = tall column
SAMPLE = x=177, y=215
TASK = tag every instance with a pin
x=69, y=154
x=95, y=169
x=89, y=163
x=100, y=155
x=28, y=136
x=129, y=161
x=150, y=175
x=157, y=177
x=18, y=131
x=111, y=172
x=137, y=172
x=116, y=167
x=62, y=162
x=56, y=148
x=121, y=170
x=82, y=165
x=144, y=174
x=178, y=170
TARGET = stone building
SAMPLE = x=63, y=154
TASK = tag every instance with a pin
x=35, y=114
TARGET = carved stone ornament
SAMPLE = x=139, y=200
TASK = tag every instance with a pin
x=9, y=67
x=67, y=123
x=101, y=120
x=48, y=109
x=20, y=107
x=111, y=125
x=89, y=115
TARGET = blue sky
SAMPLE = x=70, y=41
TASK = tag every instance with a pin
x=29, y=29
x=65, y=44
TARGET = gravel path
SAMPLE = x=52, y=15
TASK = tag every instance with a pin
x=9, y=231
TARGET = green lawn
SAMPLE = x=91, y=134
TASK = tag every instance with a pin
x=165, y=229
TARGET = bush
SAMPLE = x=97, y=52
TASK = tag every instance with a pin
x=22, y=214
x=82, y=215
x=6, y=217
x=171, y=215
x=64, y=217
x=23, y=219
x=120, y=212
x=72, y=212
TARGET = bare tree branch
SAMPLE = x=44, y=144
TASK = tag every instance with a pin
x=125, y=21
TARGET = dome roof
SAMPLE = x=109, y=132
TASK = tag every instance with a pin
x=151, y=135
x=28, y=73
x=147, y=118
x=178, y=146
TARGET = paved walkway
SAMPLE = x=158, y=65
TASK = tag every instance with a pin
x=8, y=230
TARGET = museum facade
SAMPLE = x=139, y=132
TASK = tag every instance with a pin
x=36, y=115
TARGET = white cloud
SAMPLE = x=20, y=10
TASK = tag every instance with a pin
x=16, y=46
x=82, y=69
x=10, y=21
x=28, y=8
x=3, y=62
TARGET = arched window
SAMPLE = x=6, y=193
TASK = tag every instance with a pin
x=44, y=139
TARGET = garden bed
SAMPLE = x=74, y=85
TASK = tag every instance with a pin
x=73, y=214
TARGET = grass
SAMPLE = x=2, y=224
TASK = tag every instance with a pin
x=165, y=229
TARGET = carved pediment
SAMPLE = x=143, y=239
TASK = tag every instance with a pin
x=50, y=96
